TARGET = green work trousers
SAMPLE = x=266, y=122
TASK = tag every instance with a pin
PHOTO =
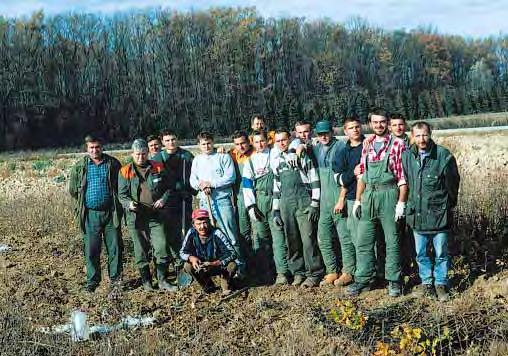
x=303, y=251
x=148, y=237
x=97, y=225
x=173, y=230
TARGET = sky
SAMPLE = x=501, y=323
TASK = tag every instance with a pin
x=470, y=18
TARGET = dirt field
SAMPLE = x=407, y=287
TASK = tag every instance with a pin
x=42, y=276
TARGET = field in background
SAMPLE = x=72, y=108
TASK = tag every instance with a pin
x=41, y=281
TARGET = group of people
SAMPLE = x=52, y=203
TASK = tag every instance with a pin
x=275, y=208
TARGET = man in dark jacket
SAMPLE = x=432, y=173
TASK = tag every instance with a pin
x=206, y=252
x=94, y=185
x=433, y=179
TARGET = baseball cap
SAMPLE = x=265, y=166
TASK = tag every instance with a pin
x=200, y=214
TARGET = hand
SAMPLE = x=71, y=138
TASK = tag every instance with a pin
x=133, y=206
x=313, y=214
x=255, y=214
x=339, y=207
x=221, y=149
x=159, y=204
x=292, y=160
x=204, y=184
x=357, y=209
x=400, y=210
x=357, y=171
x=195, y=262
x=300, y=149
x=277, y=220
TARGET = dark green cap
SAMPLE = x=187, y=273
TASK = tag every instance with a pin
x=323, y=126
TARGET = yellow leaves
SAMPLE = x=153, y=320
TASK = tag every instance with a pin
x=345, y=313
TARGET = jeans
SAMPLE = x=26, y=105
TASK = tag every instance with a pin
x=441, y=261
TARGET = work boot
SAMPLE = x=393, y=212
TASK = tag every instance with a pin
x=357, y=288
x=329, y=279
x=394, y=289
x=146, y=279
x=424, y=291
x=442, y=293
x=309, y=282
x=91, y=287
x=344, y=280
x=298, y=280
x=281, y=280
x=162, y=272
x=224, y=285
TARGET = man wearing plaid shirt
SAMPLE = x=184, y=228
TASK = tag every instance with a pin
x=296, y=193
x=380, y=200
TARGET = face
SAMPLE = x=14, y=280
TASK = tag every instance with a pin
x=201, y=226
x=242, y=144
x=170, y=142
x=303, y=132
x=154, y=146
x=94, y=150
x=140, y=157
x=397, y=127
x=282, y=141
x=259, y=142
x=421, y=137
x=324, y=138
x=206, y=146
x=258, y=124
x=353, y=130
x=379, y=125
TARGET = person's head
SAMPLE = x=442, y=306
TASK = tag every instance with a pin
x=169, y=140
x=205, y=142
x=154, y=144
x=257, y=123
x=303, y=130
x=201, y=222
x=282, y=139
x=139, y=152
x=241, y=141
x=421, y=132
x=259, y=140
x=397, y=125
x=93, y=147
x=378, y=121
x=353, y=128
x=324, y=131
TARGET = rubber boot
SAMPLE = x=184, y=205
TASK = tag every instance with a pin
x=162, y=272
x=146, y=279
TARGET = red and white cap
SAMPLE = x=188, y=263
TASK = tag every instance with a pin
x=200, y=214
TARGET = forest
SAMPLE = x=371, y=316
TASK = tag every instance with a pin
x=131, y=74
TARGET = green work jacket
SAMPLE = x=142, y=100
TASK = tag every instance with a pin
x=433, y=188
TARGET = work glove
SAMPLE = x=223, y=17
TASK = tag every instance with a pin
x=255, y=214
x=400, y=210
x=292, y=159
x=313, y=214
x=277, y=220
x=357, y=209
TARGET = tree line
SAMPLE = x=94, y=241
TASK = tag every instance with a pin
x=132, y=74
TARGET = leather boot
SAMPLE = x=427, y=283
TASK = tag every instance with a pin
x=162, y=272
x=146, y=279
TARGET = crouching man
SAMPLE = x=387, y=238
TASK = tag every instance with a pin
x=206, y=252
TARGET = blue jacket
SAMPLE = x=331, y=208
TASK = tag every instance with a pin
x=216, y=247
x=349, y=158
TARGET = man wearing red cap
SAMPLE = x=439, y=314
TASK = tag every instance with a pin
x=206, y=252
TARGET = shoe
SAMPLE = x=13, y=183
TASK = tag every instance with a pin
x=162, y=273
x=394, y=289
x=329, y=279
x=309, y=282
x=281, y=280
x=224, y=285
x=166, y=286
x=146, y=279
x=91, y=287
x=298, y=280
x=424, y=291
x=344, y=280
x=442, y=293
x=357, y=288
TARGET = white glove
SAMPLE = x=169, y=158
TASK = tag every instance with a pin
x=357, y=209
x=292, y=159
x=400, y=210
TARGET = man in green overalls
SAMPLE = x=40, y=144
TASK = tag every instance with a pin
x=380, y=199
x=257, y=187
x=143, y=190
x=296, y=193
x=326, y=153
